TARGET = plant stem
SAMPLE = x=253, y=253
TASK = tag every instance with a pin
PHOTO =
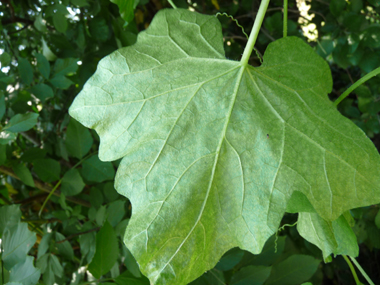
x=59, y=183
x=357, y=84
x=173, y=5
x=357, y=281
x=285, y=34
x=255, y=32
x=362, y=271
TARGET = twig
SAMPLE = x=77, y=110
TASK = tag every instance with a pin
x=266, y=33
x=78, y=234
x=43, y=187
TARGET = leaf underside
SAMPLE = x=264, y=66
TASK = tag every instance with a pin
x=213, y=151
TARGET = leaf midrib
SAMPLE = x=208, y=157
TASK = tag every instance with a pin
x=232, y=104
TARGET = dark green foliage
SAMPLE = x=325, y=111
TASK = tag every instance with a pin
x=49, y=50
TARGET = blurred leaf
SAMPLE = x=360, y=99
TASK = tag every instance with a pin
x=96, y=197
x=42, y=91
x=10, y=216
x=43, y=65
x=26, y=71
x=72, y=183
x=32, y=154
x=272, y=250
x=97, y=171
x=372, y=36
x=115, y=212
x=251, y=275
x=2, y=105
x=337, y=7
x=80, y=3
x=61, y=81
x=87, y=246
x=128, y=278
x=293, y=270
x=230, y=259
x=64, y=249
x=65, y=66
x=100, y=215
x=48, y=170
x=44, y=244
x=50, y=56
x=60, y=22
x=39, y=24
x=3, y=154
x=107, y=251
x=5, y=59
x=377, y=220
x=6, y=137
x=24, y=174
x=126, y=9
x=21, y=122
x=130, y=262
x=78, y=139
x=99, y=28
x=25, y=272
x=16, y=242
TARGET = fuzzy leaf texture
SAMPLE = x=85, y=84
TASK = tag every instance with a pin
x=213, y=150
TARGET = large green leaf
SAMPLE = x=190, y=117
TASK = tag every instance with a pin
x=334, y=237
x=17, y=241
x=25, y=272
x=213, y=149
x=9, y=216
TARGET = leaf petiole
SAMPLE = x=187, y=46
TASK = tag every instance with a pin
x=362, y=271
x=356, y=85
x=285, y=31
x=172, y=4
x=255, y=32
x=352, y=268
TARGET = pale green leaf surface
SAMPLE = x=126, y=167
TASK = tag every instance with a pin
x=21, y=122
x=25, y=272
x=334, y=237
x=198, y=167
x=10, y=216
x=6, y=137
x=17, y=241
x=293, y=270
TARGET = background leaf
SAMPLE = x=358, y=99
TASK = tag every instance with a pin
x=106, y=251
x=293, y=270
x=22, y=122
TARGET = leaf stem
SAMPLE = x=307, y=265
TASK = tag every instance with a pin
x=357, y=84
x=173, y=5
x=357, y=281
x=285, y=33
x=59, y=183
x=255, y=32
x=362, y=271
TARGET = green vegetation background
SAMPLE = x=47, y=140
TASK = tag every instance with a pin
x=48, y=51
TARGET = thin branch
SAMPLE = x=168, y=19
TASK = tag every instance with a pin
x=43, y=187
x=78, y=234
